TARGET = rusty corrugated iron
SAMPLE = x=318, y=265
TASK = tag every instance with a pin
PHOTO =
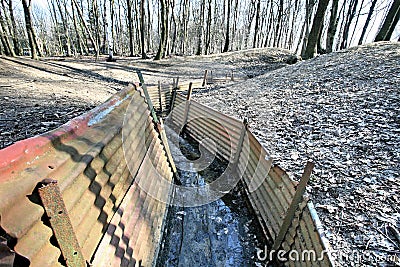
x=269, y=189
x=88, y=159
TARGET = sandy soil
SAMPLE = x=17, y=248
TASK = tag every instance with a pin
x=37, y=96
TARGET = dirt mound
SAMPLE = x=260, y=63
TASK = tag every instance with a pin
x=341, y=110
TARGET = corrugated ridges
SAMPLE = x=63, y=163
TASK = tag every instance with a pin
x=87, y=159
x=274, y=189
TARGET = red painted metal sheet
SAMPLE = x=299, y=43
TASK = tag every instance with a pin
x=89, y=160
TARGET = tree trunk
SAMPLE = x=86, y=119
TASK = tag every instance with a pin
x=174, y=24
x=349, y=19
x=78, y=35
x=278, y=24
x=311, y=48
x=163, y=26
x=367, y=21
x=149, y=28
x=35, y=51
x=226, y=45
x=88, y=31
x=4, y=37
x=142, y=29
x=16, y=44
x=208, y=28
x=65, y=27
x=200, y=28
x=130, y=28
x=257, y=23
x=390, y=22
x=332, y=26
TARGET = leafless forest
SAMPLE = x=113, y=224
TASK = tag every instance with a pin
x=161, y=28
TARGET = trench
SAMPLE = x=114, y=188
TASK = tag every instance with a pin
x=223, y=232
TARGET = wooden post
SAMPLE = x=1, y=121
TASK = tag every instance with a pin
x=190, y=90
x=297, y=198
x=159, y=96
x=240, y=143
x=212, y=77
x=146, y=94
x=232, y=76
x=205, y=78
x=186, y=114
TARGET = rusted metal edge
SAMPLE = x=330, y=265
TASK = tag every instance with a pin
x=298, y=196
x=60, y=222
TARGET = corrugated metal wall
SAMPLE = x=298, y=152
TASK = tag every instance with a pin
x=101, y=193
x=269, y=189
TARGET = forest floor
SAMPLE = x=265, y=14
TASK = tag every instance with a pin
x=341, y=110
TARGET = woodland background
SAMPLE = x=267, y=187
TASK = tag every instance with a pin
x=162, y=28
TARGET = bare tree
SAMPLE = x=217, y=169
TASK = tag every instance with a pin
x=367, y=21
x=88, y=31
x=227, y=38
x=311, y=48
x=200, y=28
x=163, y=27
x=390, y=22
x=333, y=21
x=35, y=51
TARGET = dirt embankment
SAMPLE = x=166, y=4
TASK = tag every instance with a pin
x=341, y=110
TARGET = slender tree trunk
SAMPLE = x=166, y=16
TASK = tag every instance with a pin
x=269, y=29
x=4, y=41
x=227, y=38
x=367, y=21
x=163, y=26
x=5, y=36
x=278, y=24
x=208, y=28
x=78, y=35
x=332, y=26
x=142, y=29
x=35, y=51
x=13, y=24
x=166, y=38
x=234, y=26
x=257, y=23
x=174, y=25
x=53, y=14
x=88, y=31
x=311, y=48
x=356, y=23
x=65, y=27
x=349, y=19
x=130, y=28
x=390, y=22
x=200, y=28
x=149, y=28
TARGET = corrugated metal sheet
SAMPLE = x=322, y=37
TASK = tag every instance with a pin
x=269, y=189
x=87, y=158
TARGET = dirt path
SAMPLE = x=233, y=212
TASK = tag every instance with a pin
x=37, y=96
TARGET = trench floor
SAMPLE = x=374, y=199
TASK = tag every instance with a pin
x=221, y=233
